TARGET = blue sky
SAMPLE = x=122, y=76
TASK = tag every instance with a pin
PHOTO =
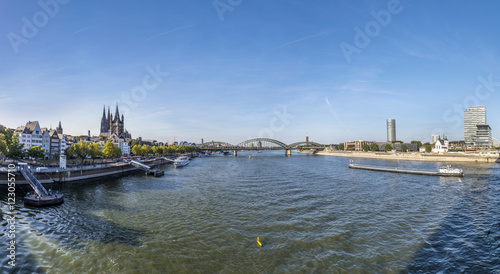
x=233, y=70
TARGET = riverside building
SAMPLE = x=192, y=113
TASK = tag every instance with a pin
x=477, y=133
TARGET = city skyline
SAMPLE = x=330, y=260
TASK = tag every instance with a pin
x=333, y=71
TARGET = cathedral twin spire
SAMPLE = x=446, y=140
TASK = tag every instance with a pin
x=110, y=124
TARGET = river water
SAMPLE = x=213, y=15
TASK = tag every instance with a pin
x=311, y=213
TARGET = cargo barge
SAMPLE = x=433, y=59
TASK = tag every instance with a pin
x=444, y=171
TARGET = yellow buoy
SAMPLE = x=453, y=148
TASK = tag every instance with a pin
x=258, y=242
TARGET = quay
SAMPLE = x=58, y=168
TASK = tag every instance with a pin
x=421, y=157
x=83, y=173
x=446, y=172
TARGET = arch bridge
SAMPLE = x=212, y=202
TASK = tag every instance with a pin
x=259, y=144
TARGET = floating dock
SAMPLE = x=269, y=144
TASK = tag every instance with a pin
x=446, y=173
x=148, y=169
x=40, y=196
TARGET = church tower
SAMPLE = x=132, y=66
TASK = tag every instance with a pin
x=113, y=124
x=59, y=129
x=104, y=122
x=116, y=124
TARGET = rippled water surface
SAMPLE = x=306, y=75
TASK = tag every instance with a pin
x=311, y=213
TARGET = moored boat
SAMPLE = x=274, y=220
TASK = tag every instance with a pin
x=181, y=161
x=449, y=170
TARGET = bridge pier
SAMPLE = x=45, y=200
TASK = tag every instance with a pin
x=235, y=153
x=288, y=152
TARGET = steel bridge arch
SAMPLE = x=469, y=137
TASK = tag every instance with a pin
x=279, y=143
x=215, y=144
x=312, y=144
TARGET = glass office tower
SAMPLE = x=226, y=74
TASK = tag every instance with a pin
x=476, y=132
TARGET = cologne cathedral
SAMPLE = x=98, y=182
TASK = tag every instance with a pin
x=113, y=126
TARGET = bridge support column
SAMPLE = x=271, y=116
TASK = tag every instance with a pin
x=235, y=153
x=288, y=152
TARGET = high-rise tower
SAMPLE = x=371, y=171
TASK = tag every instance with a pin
x=473, y=116
x=476, y=132
x=391, y=130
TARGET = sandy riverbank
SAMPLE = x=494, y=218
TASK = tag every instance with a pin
x=415, y=156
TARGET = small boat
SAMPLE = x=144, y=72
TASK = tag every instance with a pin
x=34, y=199
x=449, y=170
x=444, y=171
x=181, y=161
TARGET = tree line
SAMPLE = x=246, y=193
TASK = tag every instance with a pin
x=387, y=147
x=145, y=150
x=83, y=150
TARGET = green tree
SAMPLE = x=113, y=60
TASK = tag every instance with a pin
x=146, y=150
x=107, y=151
x=419, y=144
x=8, y=133
x=341, y=146
x=94, y=151
x=373, y=147
x=133, y=143
x=428, y=149
x=404, y=148
x=81, y=150
x=171, y=150
x=388, y=147
x=155, y=149
x=181, y=149
x=117, y=151
x=3, y=144
x=136, y=150
x=70, y=152
x=111, y=150
x=366, y=147
x=36, y=152
x=15, y=149
x=427, y=144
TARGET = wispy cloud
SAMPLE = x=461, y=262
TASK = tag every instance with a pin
x=81, y=30
x=364, y=87
x=332, y=111
x=169, y=31
x=300, y=39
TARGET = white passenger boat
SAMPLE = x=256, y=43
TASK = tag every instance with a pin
x=449, y=170
x=181, y=161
